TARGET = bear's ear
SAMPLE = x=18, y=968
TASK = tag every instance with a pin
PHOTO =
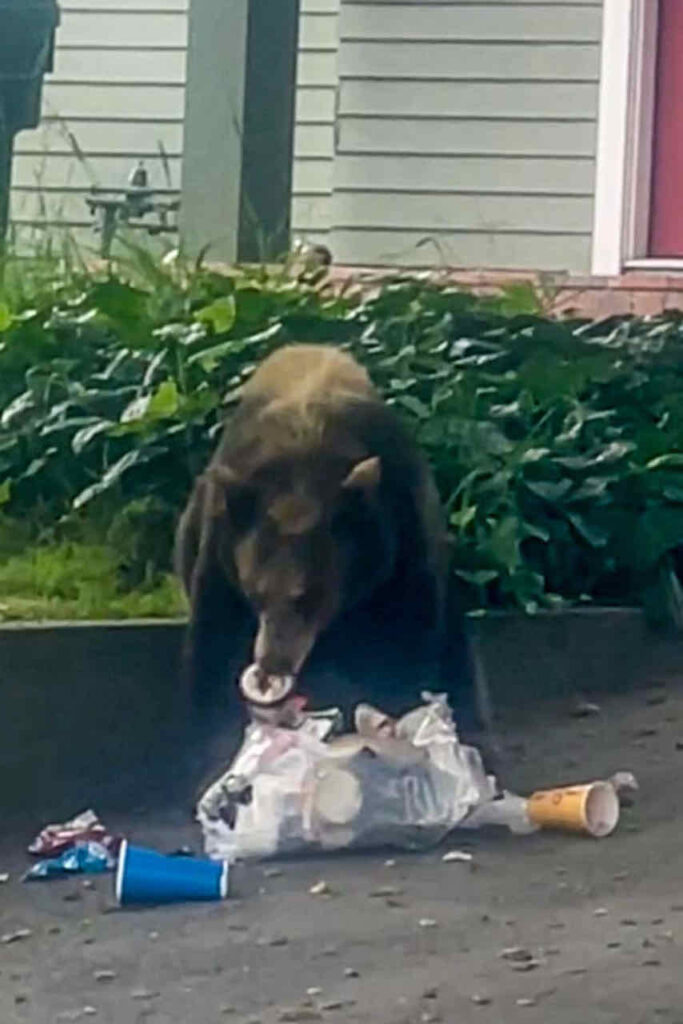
x=365, y=476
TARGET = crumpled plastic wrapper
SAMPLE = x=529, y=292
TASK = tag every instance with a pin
x=86, y=826
x=404, y=783
x=83, y=857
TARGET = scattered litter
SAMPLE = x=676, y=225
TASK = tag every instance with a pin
x=592, y=807
x=278, y=940
x=600, y=912
x=585, y=709
x=142, y=994
x=16, y=936
x=652, y=962
x=385, y=891
x=272, y=873
x=351, y=972
x=333, y=1004
x=145, y=877
x=389, y=863
x=82, y=856
x=329, y=951
x=516, y=954
x=89, y=1011
x=298, y=1013
x=427, y=922
x=4, y=878
x=480, y=1000
x=153, y=935
x=528, y=1001
x=614, y=945
x=105, y=975
x=85, y=827
x=405, y=783
x=626, y=786
x=430, y=1017
x=526, y=965
x=431, y=993
x=314, y=992
x=629, y=922
x=320, y=889
x=457, y=857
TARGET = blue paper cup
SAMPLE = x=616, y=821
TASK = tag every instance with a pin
x=145, y=876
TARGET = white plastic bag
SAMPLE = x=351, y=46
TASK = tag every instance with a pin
x=288, y=790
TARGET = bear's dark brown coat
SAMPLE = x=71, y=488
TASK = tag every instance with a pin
x=314, y=542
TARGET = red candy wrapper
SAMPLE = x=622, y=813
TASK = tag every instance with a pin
x=85, y=827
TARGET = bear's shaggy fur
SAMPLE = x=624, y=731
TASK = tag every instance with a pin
x=314, y=543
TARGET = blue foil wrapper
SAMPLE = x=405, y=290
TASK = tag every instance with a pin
x=82, y=858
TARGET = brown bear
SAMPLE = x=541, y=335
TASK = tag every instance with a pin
x=314, y=543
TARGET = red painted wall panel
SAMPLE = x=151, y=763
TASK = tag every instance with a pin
x=666, y=215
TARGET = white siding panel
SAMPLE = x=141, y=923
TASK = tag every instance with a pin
x=493, y=250
x=574, y=176
x=53, y=205
x=484, y=212
x=470, y=121
x=116, y=95
x=107, y=172
x=319, y=7
x=314, y=131
x=439, y=136
x=459, y=22
x=317, y=67
x=110, y=99
x=445, y=59
x=123, y=28
x=468, y=99
x=314, y=140
x=313, y=175
x=316, y=104
x=318, y=32
x=102, y=137
x=116, y=65
x=310, y=213
x=127, y=6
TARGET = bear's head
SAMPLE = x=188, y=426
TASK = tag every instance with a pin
x=303, y=540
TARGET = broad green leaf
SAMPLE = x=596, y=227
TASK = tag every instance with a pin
x=164, y=402
x=131, y=460
x=220, y=314
x=548, y=490
x=6, y=318
x=594, y=535
x=503, y=543
x=462, y=517
x=5, y=492
x=479, y=577
x=83, y=437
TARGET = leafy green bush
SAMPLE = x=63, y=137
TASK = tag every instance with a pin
x=557, y=445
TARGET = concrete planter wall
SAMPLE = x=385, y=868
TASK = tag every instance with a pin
x=93, y=715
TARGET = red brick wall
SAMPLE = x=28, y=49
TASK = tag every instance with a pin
x=636, y=292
